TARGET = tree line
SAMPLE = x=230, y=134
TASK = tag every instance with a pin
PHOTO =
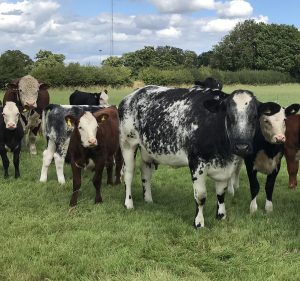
x=255, y=53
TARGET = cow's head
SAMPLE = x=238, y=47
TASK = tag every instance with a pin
x=241, y=111
x=28, y=88
x=211, y=83
x=11, y=115
x=273, y=125
x=103, y=98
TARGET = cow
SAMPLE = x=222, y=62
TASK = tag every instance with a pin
x=95, y=138
x=268, y=149
x=84, y=98
x=182, y=127
x=11, y=134
x=292, y=148
x=210, y=83
x=58, y=133
x=31, y=96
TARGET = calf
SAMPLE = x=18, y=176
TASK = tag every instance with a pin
x=267, y=153
x=292, y=148
x=84, y=98
x=94, y=139
x=11, y=134
x=183, y=127
x=58, y=133
x=31, y=96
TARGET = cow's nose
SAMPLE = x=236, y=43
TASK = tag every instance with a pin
x=92, y=141
x=241, y=147
x=11, y=125
x=280, y=138
x=31, y=104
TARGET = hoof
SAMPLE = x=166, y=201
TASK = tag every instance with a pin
x=269, y=206
x=198, y=226
x=220, y=216
x=72, y=209
x=253, y=207
x=129, y=204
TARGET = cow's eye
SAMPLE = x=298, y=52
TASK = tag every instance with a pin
x=267, y=121
x=79, y=127
x=3, y=114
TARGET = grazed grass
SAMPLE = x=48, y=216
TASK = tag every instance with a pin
x=40, y=240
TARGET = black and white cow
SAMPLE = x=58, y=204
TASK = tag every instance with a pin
x=85, y=98
x=11, y=134
x=210, y=83
x=182, y=127
x=58, y=133
x=268, y=149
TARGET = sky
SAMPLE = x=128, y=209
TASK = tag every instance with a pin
x=82, y=29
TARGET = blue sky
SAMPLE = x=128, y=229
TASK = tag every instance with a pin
x=79, y=28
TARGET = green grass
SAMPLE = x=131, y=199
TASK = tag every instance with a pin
x=40, y=240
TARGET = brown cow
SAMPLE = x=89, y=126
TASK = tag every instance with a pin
x=292, y=148
x=95, y=139
x=31, y=96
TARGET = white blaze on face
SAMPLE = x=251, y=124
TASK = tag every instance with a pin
x=103, y=98
x=28, y=90
x=11, y=115
x=87, y=128
x=242, y=101
x=273, y=127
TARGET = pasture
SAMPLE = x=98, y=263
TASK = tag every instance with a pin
x=41, y=240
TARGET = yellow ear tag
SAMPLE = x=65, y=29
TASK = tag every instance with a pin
x=25, y=109
x=103, y=118
x=69, y=123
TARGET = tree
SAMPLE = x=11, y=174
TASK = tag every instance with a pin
x=258, y=46
x=47, y=58
x=13, y=64
x=204, y=59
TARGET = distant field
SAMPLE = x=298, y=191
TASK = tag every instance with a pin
x=40, y=240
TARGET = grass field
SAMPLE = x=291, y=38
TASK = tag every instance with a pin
x=40, y=240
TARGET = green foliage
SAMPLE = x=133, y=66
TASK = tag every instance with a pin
x=13, y=64
x=48, y=59
x=258, y=46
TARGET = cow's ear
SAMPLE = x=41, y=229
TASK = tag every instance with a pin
x=268, y=108
x=292, y=109
x=214, y=105
x=105, y=91
x=70, y=120
x=102, y=117
x=43, y=86
x=199, y=83
x=12, y=86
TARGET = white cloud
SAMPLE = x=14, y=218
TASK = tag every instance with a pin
x=179, y=6
x=234, y=9
x=31, y=25
x=170, y=32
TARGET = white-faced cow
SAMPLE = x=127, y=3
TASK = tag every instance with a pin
x=183, y=127
x=58, y=133
x=11, y=134
x=95, y=138
x=267, y=152
x=84, y=98
x=31, y=96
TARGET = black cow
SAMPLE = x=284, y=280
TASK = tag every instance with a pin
x=210, y=83
x=11, y=134
x=84, y=98
x=183, y=127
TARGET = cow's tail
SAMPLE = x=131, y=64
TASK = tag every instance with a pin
x=47, y=109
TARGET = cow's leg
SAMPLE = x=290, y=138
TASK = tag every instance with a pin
x=128, y=155
x=5, y=161
x=269, y=189
x=59, y=165
x=76, y=184
x=32, y=140
x=234, y=182
x=254, y=185
x=198, y=178
x=119, y=164
x=220, y=190
x=47, y=159
x=146, y=174
x=109, y=169
x=16, y=160
x=292, y=166
x=97, y=182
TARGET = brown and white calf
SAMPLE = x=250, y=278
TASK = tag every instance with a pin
x=95, y=139
x=31, y=96
x=292, y=148
x=11, y=134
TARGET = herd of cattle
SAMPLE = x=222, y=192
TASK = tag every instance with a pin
x=201, y=127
